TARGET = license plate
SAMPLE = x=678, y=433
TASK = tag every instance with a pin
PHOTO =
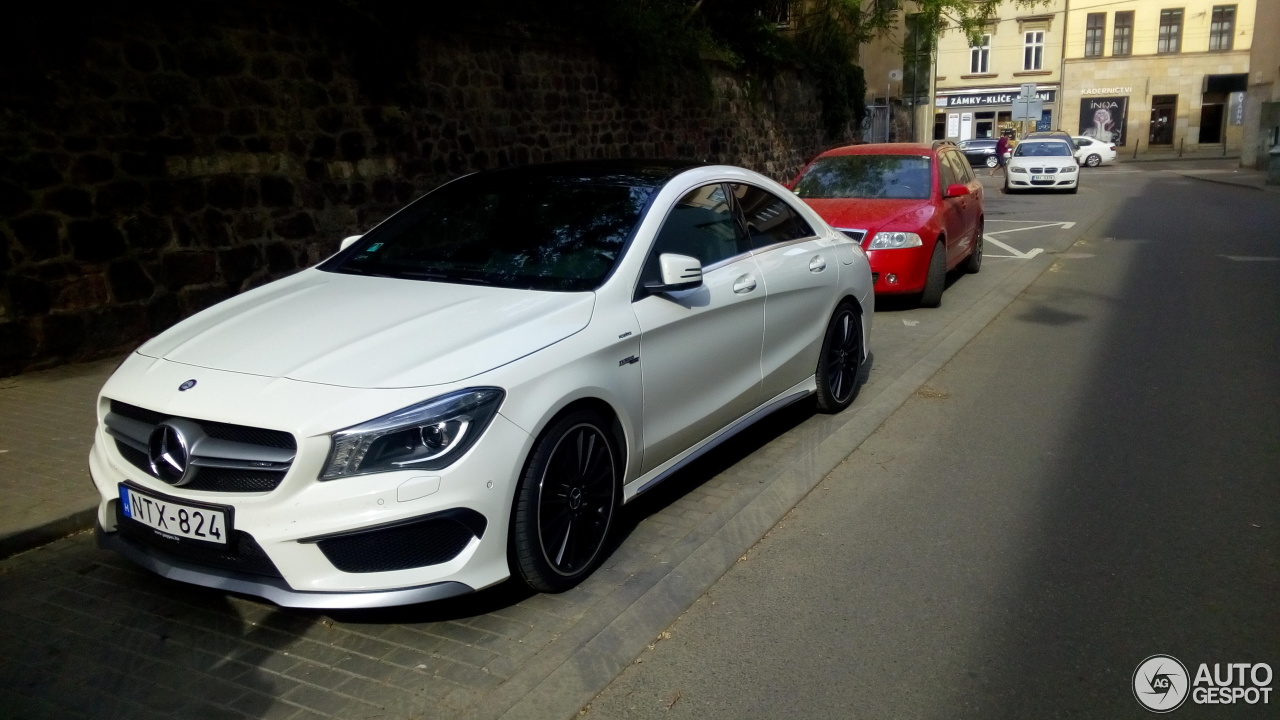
x=174, y=520
x=1041, y=178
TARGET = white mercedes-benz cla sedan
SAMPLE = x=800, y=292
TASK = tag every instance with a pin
x=473, y=388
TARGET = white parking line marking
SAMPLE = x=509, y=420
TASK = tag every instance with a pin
x=1251, y=258
x=1063, y=225
x=1016, y=253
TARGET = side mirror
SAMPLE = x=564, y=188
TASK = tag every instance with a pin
x=349, y=241
x=677, y=272
x=957, y=190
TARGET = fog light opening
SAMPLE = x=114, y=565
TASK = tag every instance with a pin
x=891, y=279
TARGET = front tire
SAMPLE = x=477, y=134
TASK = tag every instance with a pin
x=936, y=281
x=565, y=503
x=840, y=359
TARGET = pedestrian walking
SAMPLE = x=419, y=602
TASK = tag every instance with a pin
x=1002, y=147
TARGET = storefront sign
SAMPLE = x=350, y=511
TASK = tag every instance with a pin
x=1107, y=91
x=1103, y=118
x=990, y=98
x=1235, y=108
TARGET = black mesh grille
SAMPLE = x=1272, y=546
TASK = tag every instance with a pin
x=428, y=541
x=137, y=458
x=242, y=553
x=213, y=479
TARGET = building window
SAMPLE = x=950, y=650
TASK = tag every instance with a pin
x=1033, y=50
x=1222, y=27
x=980, y=56
x=1122, y=35
x=1095, y=32
x=1170, y=40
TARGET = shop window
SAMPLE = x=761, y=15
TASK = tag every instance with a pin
x=1122, y=35
x=1033, y=50
x=980, y=56
x=1222, y=27
x=1095, y=32
x=1170, y=39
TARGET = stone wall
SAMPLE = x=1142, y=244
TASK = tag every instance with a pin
x=154, y=166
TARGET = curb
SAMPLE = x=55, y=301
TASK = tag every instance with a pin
x=1204, y=178
x=1175, y=158
x=43, y=534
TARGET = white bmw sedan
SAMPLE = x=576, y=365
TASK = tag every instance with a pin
x=472, y=389
x=1044, y=163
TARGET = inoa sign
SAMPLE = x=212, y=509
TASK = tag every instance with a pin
x=991, y=98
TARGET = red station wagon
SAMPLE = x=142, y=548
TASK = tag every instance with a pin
x=916, y=209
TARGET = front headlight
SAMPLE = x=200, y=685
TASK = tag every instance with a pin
x=1018, y=170
x=427, y=436
x=893, y=240
x=1069, y=168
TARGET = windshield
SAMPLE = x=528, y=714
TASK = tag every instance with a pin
x=549, y=232
x=866, y=176
x=1042, y=149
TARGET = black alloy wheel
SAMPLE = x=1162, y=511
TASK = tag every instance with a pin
x=565, y=503
x=841, y=357
x=1093, y=160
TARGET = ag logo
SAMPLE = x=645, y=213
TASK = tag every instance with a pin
x=1160, y=683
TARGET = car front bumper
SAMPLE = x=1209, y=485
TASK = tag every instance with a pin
x=306, y=535
x=900, y=270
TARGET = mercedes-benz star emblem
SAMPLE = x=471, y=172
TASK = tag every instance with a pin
x=187, y=385
x=169, y=454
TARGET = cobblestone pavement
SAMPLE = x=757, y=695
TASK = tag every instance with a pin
x=46, y=428
x=84, y=633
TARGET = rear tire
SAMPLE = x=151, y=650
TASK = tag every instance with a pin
x=1093, y=160
x=992, y=161
x=974, y=263
x=840, y=359
x=565, y=503
x=936, y=281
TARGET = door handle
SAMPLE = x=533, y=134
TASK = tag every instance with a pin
x=744, y=284
x=817, y=264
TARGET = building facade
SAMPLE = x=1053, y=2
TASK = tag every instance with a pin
x=976, y=82
x=1262, y=101
x=1158, y=75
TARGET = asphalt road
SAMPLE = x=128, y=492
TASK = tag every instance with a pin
x=1092, y=480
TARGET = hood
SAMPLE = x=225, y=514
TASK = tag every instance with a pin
x=872, y=214
x=371, y=332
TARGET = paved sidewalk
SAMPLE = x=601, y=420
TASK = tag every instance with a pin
x=46, y=427
x=1225, y=171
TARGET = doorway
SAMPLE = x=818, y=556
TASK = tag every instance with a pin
x=1163, y=110
x=1211, y=124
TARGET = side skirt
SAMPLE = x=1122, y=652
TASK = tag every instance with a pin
x=650, y=479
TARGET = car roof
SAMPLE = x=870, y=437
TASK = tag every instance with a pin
x=882, y=149
x=1044, y=138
